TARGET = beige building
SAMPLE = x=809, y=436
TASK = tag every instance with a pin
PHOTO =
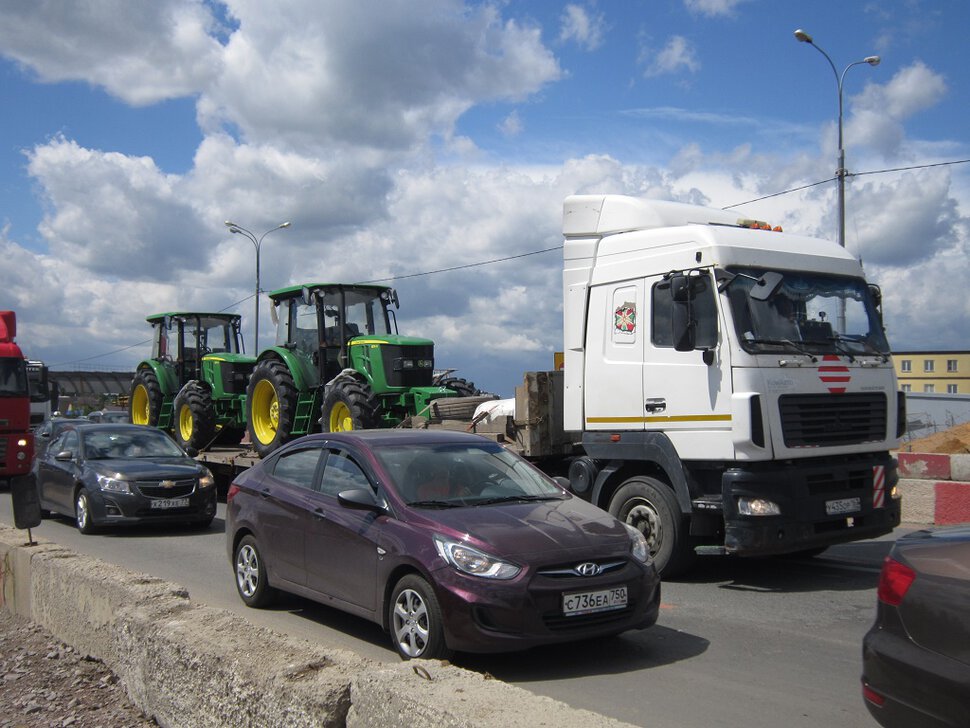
x=933, y=372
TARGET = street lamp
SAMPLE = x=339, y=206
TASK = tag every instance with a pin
x=802, y=37
x=234, y=228
x=840, y=173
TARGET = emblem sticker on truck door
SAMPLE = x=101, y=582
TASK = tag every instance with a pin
x=625, y=319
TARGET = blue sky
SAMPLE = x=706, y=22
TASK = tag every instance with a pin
x=405, y=137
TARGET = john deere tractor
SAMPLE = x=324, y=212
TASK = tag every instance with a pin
x=339, y=363
x=194, y=384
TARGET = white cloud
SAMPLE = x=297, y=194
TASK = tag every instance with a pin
x=712, y=7
x=140, y=52
x=585, y=29
x=678, y=54
x=511, y=125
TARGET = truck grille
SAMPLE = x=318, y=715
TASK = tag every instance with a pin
x=825, y=420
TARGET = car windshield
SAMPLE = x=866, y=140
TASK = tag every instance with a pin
x=448, y=476
x=807, y=312
x=105, y=444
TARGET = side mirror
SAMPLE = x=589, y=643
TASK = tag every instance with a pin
x=681, y=319
x=765, y=287
x=359, y=499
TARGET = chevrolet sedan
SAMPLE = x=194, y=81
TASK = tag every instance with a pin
x=116, y=474
x=447, y=540
x=916, y=657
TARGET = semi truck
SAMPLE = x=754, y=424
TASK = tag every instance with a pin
x=726, y=386
x=16, y=440
x=43, y=392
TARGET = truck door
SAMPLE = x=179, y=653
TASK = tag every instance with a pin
x=615, y=339
x=683, y=396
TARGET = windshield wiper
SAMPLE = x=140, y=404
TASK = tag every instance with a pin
x=521, y=498
x=783, y=342
x=867, y=346
x=434, y=504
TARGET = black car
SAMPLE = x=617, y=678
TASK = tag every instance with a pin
x=916, y=657
x=116, y=474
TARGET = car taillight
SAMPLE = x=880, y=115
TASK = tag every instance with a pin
x=231, y=493
x=894, y=581
x=872, y=696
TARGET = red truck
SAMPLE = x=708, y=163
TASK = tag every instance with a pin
x=16, y=440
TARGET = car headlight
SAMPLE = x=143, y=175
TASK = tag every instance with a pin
x=471, y=561
x=638, y=545
x=113, y=483
x=206, y=480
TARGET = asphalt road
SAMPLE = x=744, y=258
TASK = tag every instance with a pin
x=740, y=642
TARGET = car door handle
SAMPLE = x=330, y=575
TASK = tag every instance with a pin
x=265, y=492
x=655, y=404
x=319, y=513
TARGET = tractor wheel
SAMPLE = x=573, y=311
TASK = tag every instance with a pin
x=348, y=405
x=271, y=400
x=195, y=417
x=462, y=387
x=145, y=400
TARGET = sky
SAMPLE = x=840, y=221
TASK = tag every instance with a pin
x=429, y=144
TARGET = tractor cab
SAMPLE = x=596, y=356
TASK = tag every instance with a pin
x=195, y=381
x=337, y=327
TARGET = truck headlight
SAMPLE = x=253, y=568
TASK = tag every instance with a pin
x=757, y=507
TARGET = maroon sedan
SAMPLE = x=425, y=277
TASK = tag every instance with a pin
x=447, y=540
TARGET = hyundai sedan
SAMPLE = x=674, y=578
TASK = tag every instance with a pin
x=916, y=657
x=447, y=540
x=116, y=474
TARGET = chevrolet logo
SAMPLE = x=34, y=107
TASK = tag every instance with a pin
x=167, y=484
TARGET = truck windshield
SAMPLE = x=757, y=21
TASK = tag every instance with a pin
x=13, y=377
x=365, y=312
x=810, y=312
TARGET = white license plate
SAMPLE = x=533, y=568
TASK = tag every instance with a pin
x=163, y=503
x=844, y=505
x=593, y=601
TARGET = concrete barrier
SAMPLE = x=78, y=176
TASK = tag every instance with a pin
x=186, y=664
x=935, y=488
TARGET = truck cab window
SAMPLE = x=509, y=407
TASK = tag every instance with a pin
x=703, y=313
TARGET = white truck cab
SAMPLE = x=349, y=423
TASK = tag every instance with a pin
x=732, y=384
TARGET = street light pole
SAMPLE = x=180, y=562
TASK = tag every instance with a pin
x=840, y=173
x=234, y=228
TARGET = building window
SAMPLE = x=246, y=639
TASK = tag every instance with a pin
x=907, y=387
x=929, y=388
x=951, y=365
x=951, y=389
x=905, y=365
x=927, y=365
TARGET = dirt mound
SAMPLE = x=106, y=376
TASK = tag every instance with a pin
x=954, y=441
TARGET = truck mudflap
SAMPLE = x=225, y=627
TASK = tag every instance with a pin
x=808, y=504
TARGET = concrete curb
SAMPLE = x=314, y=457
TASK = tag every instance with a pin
x=190, y=665
x=935, y=487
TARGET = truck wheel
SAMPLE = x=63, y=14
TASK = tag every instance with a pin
x=462, y=387
x=271, y=400
x=348, y=405
x=195, y=417
x=650, y=506
x=145, y=400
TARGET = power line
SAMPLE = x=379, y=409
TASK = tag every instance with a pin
x=461, y=267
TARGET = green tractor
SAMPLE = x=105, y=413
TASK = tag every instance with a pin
x=194, y=384
x=340, y=363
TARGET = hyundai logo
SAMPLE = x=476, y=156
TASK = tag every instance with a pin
x=588, y=568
